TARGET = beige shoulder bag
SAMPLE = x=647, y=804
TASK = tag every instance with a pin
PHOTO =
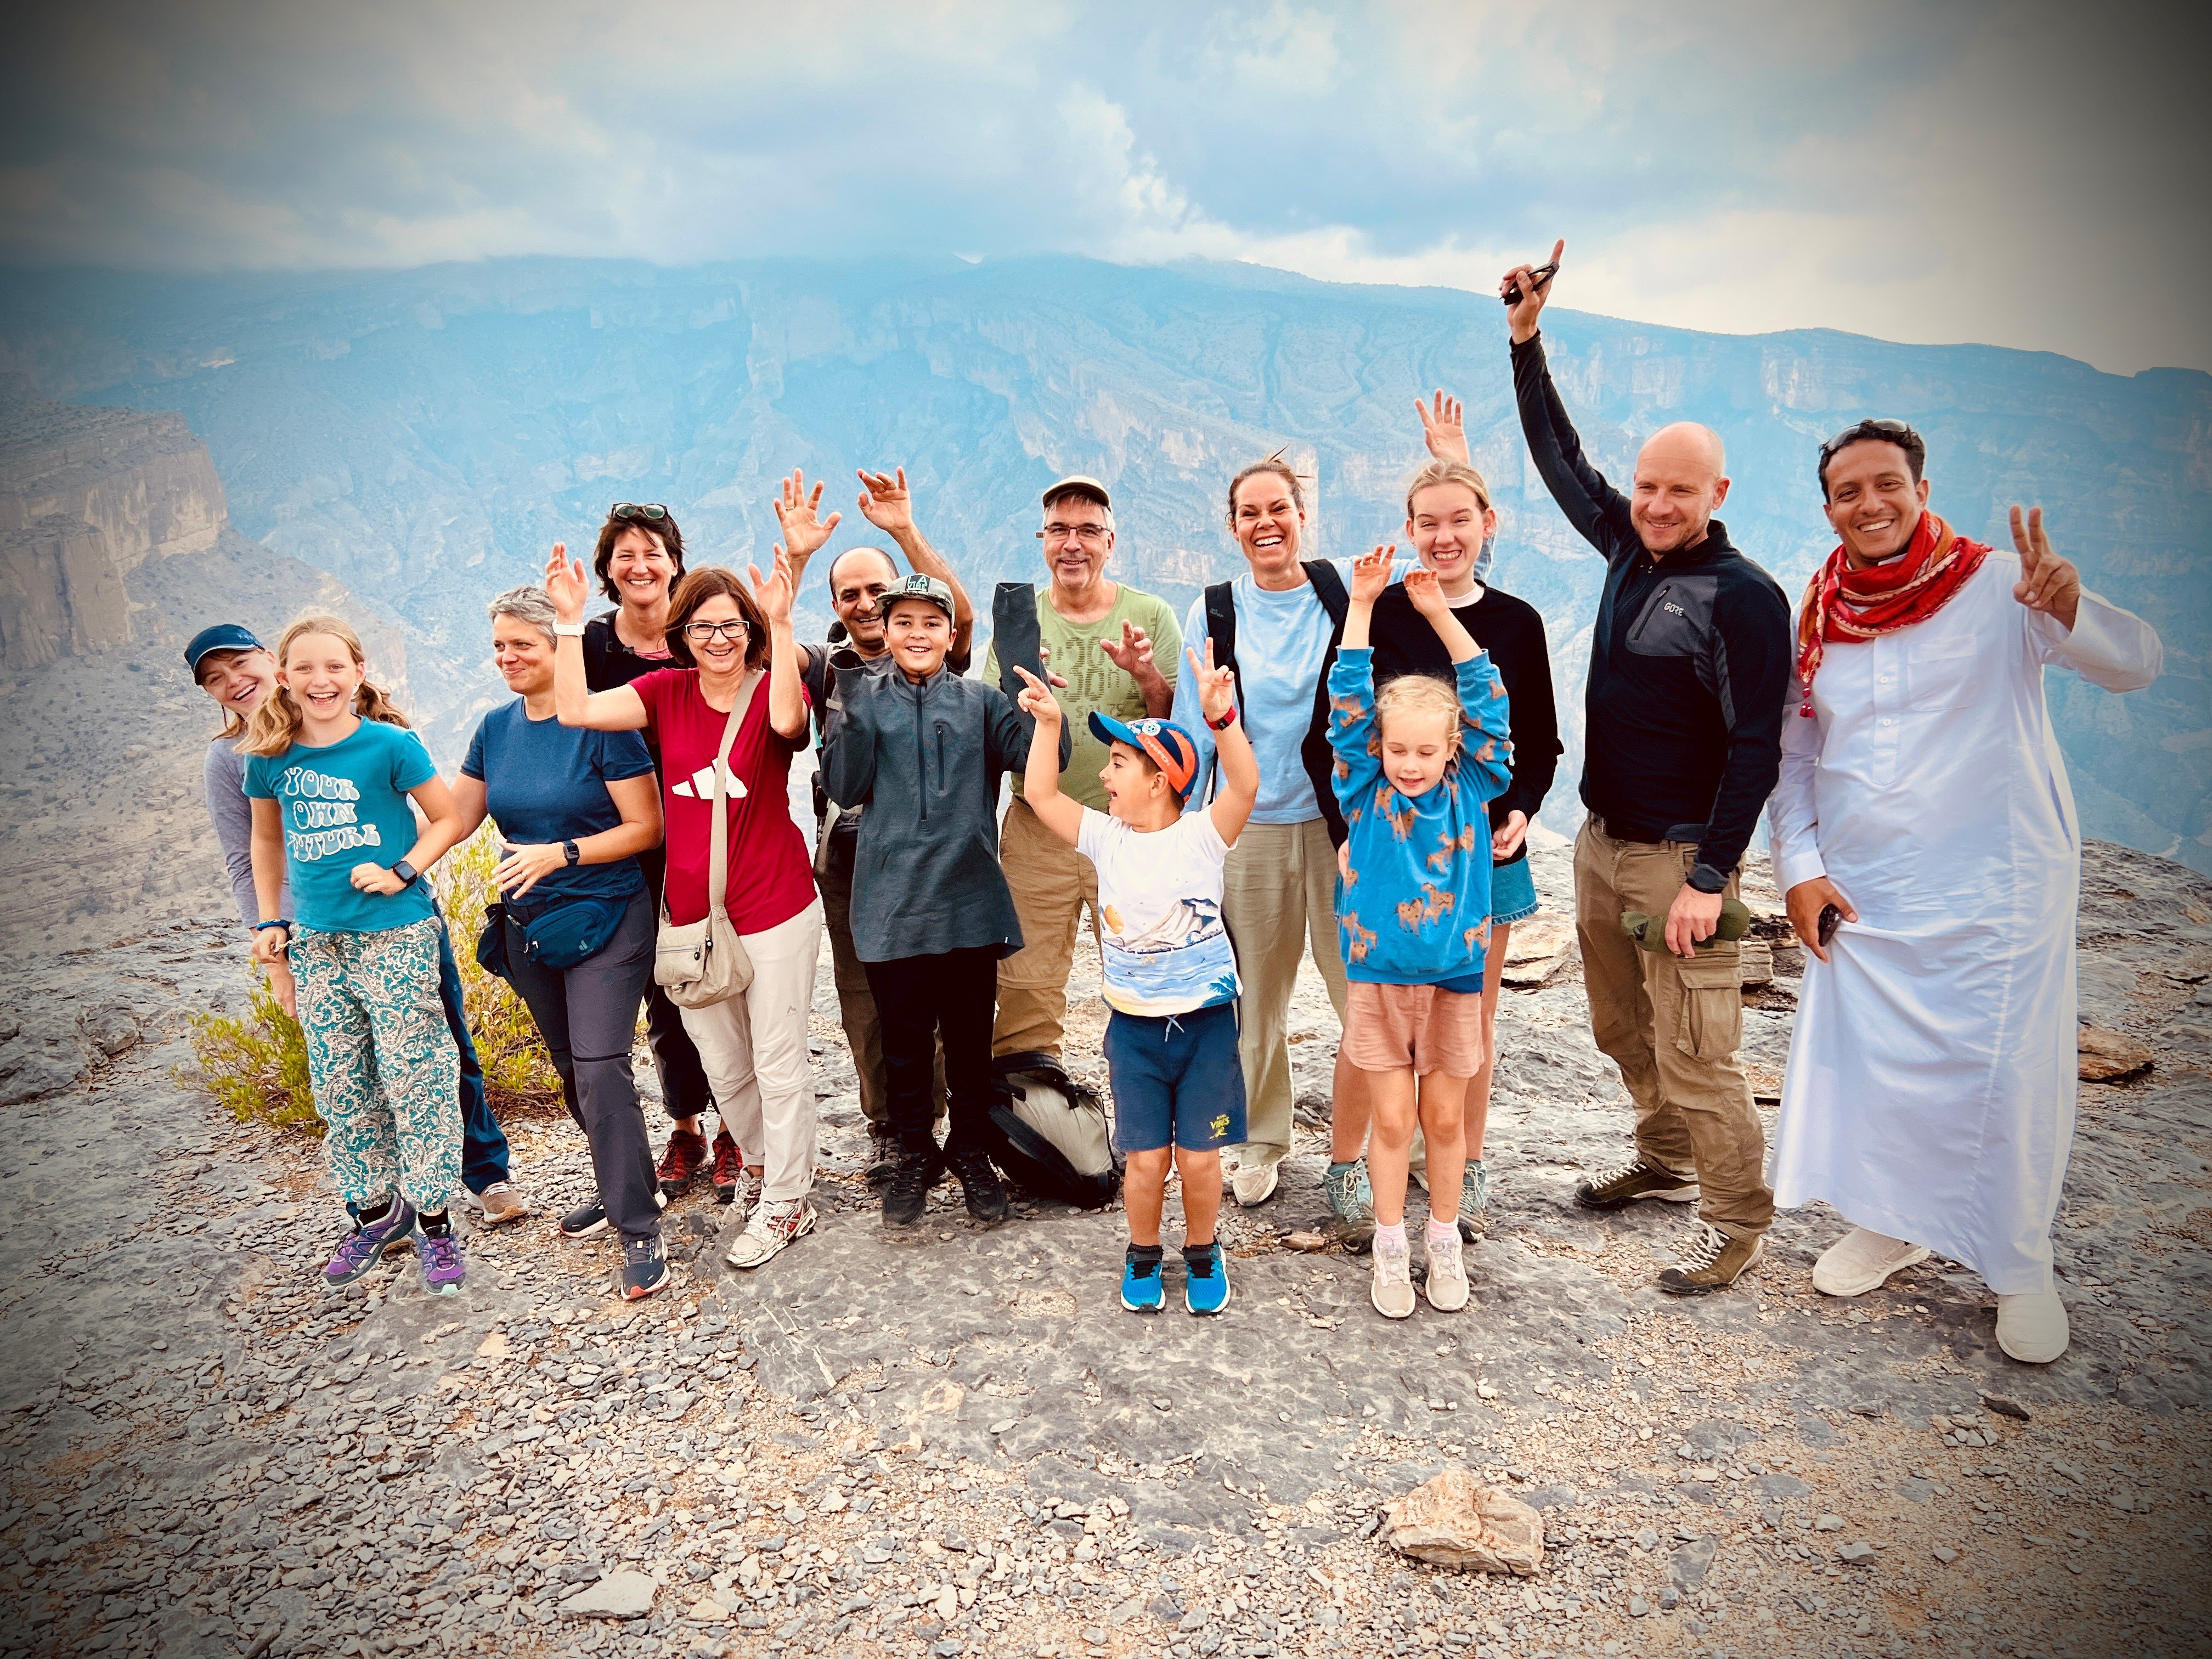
x=704, y=963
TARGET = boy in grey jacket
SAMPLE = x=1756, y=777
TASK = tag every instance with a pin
x=923, y=748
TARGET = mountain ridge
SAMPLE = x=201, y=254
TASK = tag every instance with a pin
x=424, y=434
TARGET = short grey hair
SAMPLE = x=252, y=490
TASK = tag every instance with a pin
x=528, y=605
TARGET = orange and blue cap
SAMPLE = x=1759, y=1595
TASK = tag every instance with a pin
x=1165, y=744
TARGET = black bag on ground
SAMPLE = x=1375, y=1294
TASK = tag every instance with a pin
x=1050, y=1134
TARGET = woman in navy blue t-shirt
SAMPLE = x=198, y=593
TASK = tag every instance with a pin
x=573, y=809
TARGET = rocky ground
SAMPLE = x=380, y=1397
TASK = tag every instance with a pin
x=959, y=1445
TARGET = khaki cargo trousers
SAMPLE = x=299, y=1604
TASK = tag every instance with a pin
x=1673, y=1027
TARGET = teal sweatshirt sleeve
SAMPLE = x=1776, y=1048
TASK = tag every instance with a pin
x=1352, y=738
x=1486, y=759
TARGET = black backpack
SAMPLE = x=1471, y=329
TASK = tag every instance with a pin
x=1050, y=1134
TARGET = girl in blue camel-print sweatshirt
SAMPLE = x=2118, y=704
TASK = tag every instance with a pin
x=1415, y=768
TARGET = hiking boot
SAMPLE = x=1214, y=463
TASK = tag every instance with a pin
x=979, y=1185
x=500, y=1202
x=1861, y=1261
x=1206, y=1279
x=1253, y=1184
x=729, y=1165
x=1391, y=1288
x=1447, y=1287
x=681, y=1161
x=906, y=1195
x=1350, y=1199
x=369, y=1242
x=772, y=1227
x=1636, y=1180
x=444, y=1266
x=1713, y=1262
x=883, y=1155
x=1141, y=1289
x=585, y=1220
x=645, y=1268
x=1473, y=1199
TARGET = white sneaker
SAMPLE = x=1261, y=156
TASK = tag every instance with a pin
x=1253, y=1184
x=1392, y=1289
x=1861, y=1261
x=1447, y=1287
x=772, y=1227
x=2033, y=1330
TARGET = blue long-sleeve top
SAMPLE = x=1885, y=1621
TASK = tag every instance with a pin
x=1415, y=909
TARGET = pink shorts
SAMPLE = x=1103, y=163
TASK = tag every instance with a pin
x=1390, y=1028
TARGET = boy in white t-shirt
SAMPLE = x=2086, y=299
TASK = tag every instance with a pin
x=1170, y=972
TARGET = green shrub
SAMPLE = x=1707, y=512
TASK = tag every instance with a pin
x=519, y=1073
x=256, y=1063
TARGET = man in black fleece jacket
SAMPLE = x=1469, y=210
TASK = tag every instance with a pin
x=1690, y=662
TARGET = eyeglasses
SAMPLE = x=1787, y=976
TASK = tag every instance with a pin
x=1090, y=534
x=701, y=632
x=652, y=510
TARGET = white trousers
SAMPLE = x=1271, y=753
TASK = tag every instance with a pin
x=753, y=1046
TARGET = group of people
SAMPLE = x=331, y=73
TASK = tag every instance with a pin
x=1339, y=758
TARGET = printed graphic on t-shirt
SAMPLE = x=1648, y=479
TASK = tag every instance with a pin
x=322, y=815
x=700, y=786
x=1159, y=910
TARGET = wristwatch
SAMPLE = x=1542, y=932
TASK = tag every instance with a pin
x=408, y=873
x=573, y=851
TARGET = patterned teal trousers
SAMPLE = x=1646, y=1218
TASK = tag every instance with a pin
x=382, y=1061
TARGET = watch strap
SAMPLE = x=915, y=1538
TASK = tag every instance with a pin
x=408, y=873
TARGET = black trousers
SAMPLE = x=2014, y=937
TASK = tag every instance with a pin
x=684, y=1090
x=588, y=1015
x=950, y=998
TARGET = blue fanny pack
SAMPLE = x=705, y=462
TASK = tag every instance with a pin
x=555, y=936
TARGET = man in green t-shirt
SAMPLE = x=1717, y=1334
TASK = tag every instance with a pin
x=1117, y=648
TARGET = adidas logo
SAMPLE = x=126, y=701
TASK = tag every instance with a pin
x=700, y=786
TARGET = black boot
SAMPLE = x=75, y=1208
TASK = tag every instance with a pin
x=907, y=1193
x=979, y=1184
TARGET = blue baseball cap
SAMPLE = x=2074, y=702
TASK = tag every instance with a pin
x=1167, y=744
x=223, y=636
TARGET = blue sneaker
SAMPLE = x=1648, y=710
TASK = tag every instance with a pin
x=1141, y=1290
x=1206, y=1279
x=370, y=1243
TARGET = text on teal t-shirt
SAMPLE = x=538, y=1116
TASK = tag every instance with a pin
x=343, y=804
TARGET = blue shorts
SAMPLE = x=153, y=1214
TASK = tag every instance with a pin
x=1176, y=1080
x=1512, y=891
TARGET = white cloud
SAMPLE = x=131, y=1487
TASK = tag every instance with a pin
x=2022, y=175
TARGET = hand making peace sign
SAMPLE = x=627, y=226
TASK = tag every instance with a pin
x=2047, y=583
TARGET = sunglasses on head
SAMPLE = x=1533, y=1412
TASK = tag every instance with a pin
x=1859, y=431
x=650, y=510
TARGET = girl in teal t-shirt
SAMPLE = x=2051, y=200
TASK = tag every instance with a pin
x=330, y=770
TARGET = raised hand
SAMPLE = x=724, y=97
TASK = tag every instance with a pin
x=1036, y=701
x=1443, y=428
x=565, y=584
x=1521, y=316
x=885, y=501
x=1133, y=655
x=775, y=592
x=1427, y=593
x=1370, y=574
x=795, y=515
x=1217, y=687
x=2047, y=583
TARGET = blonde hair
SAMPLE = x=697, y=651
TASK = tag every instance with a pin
x=1420, y=694
x=275, y=726
x=1444, y=472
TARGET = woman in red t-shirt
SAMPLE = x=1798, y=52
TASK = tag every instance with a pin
x=754, y=1044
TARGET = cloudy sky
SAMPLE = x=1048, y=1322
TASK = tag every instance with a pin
x=2025, y=175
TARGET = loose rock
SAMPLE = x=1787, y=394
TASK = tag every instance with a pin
x=1455, y=1520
